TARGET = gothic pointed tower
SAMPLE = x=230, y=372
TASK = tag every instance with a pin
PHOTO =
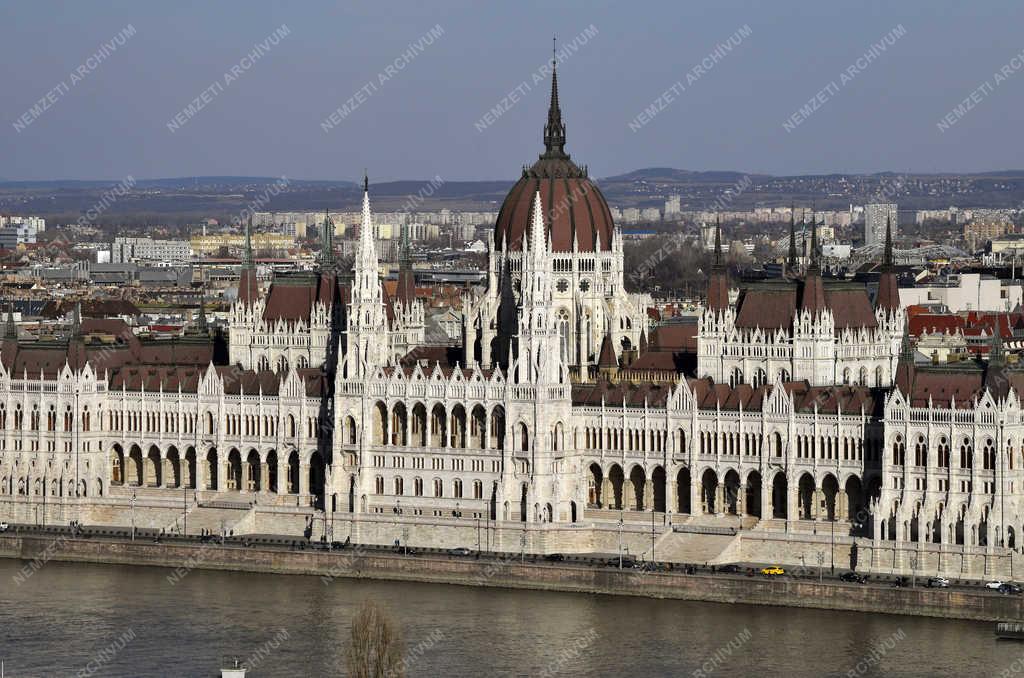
x=327, y=260
x=247, y=311
x=409, y=317
x=718, y=281
x=367, y=336
x=248, y=289
x=888, y=290
x=813, y=299
x=539, y=358
x=791, y=258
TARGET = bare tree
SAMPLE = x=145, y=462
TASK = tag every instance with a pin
x=375, y=645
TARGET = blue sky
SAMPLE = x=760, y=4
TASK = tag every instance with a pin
x=423, y=120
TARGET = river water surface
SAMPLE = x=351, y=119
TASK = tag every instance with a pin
x=92, y=620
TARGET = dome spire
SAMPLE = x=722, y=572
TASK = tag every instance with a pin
x=554, y=131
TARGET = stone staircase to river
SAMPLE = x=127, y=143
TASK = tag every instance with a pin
x=696, y=548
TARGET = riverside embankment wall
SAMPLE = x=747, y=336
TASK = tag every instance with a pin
x=36, y=551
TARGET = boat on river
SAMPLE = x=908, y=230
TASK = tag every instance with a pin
x=1010, y=630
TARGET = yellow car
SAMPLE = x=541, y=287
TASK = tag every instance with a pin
x=773, y=571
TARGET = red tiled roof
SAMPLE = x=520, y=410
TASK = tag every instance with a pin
x=709, y=395
x=291, y=297
x=607, y=355
x=773, y=305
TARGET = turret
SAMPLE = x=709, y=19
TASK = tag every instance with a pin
x=248, y=289
x=10, y=330
x=718, y=281
x=792, y=257
x=813, y=300
x=888, y=289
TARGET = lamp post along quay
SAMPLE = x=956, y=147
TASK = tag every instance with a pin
x=620, y=540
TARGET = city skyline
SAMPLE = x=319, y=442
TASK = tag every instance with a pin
x=308, y=92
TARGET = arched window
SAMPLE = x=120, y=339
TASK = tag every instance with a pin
x=457, y=488
x=399, y=486
x=899, y=451
x=562, y=322
x=379, y=485
x=966, y=454
x=438, y=488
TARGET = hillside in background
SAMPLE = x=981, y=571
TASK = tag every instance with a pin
x=189, y=198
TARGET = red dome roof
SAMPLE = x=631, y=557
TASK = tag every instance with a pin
x=574, y=207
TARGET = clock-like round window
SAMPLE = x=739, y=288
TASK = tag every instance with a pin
x=562, y=285
x=584, y=285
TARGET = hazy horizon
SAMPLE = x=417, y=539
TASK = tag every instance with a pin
x=788, y=89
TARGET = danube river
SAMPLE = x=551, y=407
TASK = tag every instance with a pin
x=93, y=620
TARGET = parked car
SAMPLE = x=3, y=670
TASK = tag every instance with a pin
x=995, y=585
x=853, y=578
x=901, y=582
x=4, y=527
x=938, y=583
x=729, y=569
x=773, y=571
x=1009, y=588
x=460, y=551
x=554, y=557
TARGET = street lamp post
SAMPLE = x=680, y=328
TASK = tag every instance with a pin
x=652, y=534
x=620, y=540
x=522, y=545
x=133, y=515
x=913, y=569
x=478, y=535
x=397, y=512
x=832, y=555
x=821, y=561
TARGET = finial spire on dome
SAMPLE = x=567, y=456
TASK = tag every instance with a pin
x=554, y=131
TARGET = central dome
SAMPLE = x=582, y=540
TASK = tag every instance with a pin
x=574, y=208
